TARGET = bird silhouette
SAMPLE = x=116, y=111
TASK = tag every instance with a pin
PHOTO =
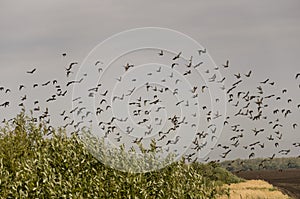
x=161, y=53
x=5, y=104
x=46, y=83
x=177, y=56
x=295, y=125
x=31, y=71
x=248, y=74
x=226, y=65
x=98, y=62
x=74, y=82
x=71, y=65
x=127, y=66
x=201, y=51
x=21, y=86
x=265, y=81
x=199, y=64
x=173, y=141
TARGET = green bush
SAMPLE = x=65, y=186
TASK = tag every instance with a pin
x=33, y=165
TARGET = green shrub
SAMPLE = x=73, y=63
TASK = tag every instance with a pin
x=33, y=165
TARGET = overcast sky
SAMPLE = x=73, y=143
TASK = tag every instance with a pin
x=262, y=36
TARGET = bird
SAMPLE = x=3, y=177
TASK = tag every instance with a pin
x=117, y=97
x=73, y=82
x=130, y=91
x=251, y=155
x=119, y=79
x=237, y=75
x=104, y=94
x=5, y=104
x=272, y=83
x=103, y=101
x=236, y=83
x=225, y=153
x=265, y=81
x=212, y=78
x=295, y=125
x=174, y=64
x=68, y=73
x=46, y=83
x=24, y=98
x=197, y=65
x=226, y=65
x=127, y=66
x=202, y=51
x=222, y=80
x=21, y=86
x=248, y=74
x=173, y=141
x=179, y=102
x=71, y=65
x=187, y=72
x=161, y=53
x=177, y=56
x=98, y=62
x=159, y=69
x=203, y=87
x=52, y=98
x=31, y=71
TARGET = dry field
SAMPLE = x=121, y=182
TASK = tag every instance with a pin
x=254, y=189
x=288, y=181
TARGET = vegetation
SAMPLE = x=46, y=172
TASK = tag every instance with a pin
x=33, y=165
x=261, y=164
x=253, y=189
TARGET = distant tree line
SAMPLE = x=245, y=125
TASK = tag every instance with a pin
x=261, y=164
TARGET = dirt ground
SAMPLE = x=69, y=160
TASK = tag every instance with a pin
x=288, y=181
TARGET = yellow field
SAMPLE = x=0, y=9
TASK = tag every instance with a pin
x=254, y=189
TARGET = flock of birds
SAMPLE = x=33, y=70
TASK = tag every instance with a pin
x=269, y=115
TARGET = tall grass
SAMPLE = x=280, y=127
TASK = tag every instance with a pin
x=34, y=166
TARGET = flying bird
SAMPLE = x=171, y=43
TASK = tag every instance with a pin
x=98, y=62
x=264, y=82
x=226, y=65
x=21, y=86
x=71, y=65
x=161, y=53
x=295, y=125
x=174, y=64
x=32, y=71
x=127, y=66
x=46, y=83
x=177, y=56
x=202, y=51
x=248, y=74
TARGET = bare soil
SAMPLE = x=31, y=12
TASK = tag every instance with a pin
x=288, y=181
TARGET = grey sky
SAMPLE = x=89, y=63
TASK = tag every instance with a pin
x=259, y=35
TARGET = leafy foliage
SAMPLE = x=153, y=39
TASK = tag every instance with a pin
x=33, y=165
